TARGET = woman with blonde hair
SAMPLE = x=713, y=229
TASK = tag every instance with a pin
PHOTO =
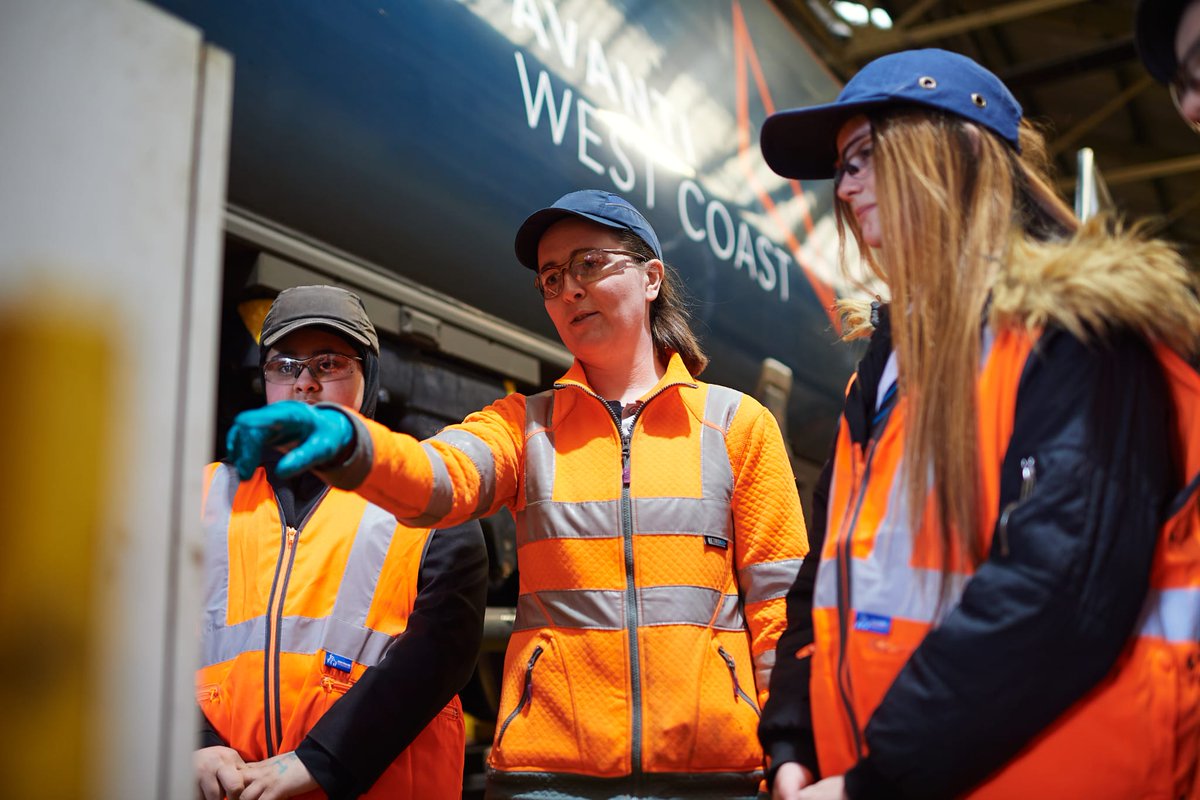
x=1005, y=604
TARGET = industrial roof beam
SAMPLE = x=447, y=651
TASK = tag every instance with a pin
x=870, y=43
x=914, y=12
x=1081, y=128
x=1038, y=74
x=1145, y=172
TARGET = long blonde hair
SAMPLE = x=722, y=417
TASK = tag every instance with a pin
x=952, y=198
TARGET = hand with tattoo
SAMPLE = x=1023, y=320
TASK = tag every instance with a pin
x=276, y=778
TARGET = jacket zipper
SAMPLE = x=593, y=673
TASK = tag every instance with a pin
x=737, y=686
x=631, y=605
x=283, y=572
x=526, y=693
x=844, y=568
x=1028, y=482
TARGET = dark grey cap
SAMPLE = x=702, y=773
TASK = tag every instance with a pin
x=325, y=306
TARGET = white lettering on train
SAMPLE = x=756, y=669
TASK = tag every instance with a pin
x=604, y=136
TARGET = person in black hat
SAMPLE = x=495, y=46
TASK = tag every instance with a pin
x=658, y=526
x=334, y=640
x=1168, y=40
x=1001, y=607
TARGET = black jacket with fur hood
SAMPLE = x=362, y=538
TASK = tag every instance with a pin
x=1045, y=623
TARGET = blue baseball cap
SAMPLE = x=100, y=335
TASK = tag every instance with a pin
x=594, y=205
x=802, y=142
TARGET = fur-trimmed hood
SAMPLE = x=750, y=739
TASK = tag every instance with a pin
x=1102, y=278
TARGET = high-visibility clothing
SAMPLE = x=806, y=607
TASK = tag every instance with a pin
x=653, y=571
x=1135, y=734
x=294, y=616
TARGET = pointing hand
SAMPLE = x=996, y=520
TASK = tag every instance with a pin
x=319, y=433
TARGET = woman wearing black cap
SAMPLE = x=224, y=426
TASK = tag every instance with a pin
x=1006, y=601
x=658, y=526
x=1168, y=40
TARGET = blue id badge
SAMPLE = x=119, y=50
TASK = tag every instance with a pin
x=872, y=623
x=341, y=663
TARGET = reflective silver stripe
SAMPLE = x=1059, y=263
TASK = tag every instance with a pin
x=218, y=508
x=595, y=609
x=363, y=566
x=481, y=456
x=355, y=642
x=548, y=520
x=224, y=642
x=825, y=592
x=698, y=515
x=763, y=665
x=601, y=519
x=301, y=635
x=721, y=406
x=768, y=580
x=690, y=605
x=344, y=632
x=441, y=500
x=885, y=583
x=1172, y=615
x=716, y=474
x=604, y=609
x=539, y=448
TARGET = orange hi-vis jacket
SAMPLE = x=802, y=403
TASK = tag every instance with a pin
x=653, y=572
x=293, y=617
x=1135, y=734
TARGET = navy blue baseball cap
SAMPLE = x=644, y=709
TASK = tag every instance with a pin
x=1155, y=24
x=802, y=142
x=594, y=205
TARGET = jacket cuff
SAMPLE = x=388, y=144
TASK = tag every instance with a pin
x=349, y=474
x=334, y=779
x=780, y=753
x=864, y=782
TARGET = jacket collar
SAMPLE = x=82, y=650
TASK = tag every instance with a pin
x=676, y=374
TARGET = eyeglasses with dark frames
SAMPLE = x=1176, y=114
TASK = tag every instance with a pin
x=585, y=266
x=856, y=165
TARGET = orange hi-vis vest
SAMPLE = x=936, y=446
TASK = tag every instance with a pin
x=1135, y=734
x=292, y=618
x=653, y=574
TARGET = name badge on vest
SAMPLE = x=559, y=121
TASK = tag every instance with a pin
x=716, y=541
x=872, y=623
x=340, y=663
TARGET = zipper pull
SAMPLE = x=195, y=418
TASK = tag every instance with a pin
x=291, y=536
x=624, y=460
x=728, y=659
x=1028, y=481
x=1028, y=477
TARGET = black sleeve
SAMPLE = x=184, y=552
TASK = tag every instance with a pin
x=208, y=734
x=786, y=729
x=385, y=710
x=1043, y=620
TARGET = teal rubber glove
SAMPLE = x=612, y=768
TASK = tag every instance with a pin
x=321, y=433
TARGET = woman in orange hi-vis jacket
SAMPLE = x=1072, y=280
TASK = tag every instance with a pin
x=1007, y=602
x=658, y=526
x=334, y=640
